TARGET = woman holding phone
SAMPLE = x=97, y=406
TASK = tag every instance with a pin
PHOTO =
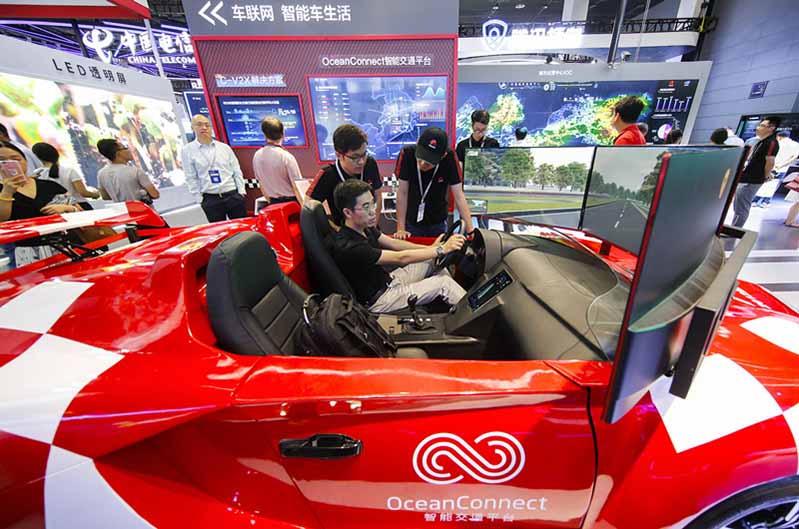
x=24, y=197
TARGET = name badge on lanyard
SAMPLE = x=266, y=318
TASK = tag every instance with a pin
x=420, y=211
x=213, y=174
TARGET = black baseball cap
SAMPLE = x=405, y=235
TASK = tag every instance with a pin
x=432, y=145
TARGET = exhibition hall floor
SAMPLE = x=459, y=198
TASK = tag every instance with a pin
x=774, y=262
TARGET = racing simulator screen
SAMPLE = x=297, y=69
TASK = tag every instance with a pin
x=391, y=110
x=545, y=185
x=242, y=116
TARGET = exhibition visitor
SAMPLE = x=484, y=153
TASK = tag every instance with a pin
x=624, y=121
x=521, y=139
x=757, y=168
x=67, y=176
x=213, y=174
x=644, y=128
x=477, y=139
x=361, y=251
x=275, y=168
x=792, y=183
x=33, y=161
x=674, y=137
x=352, y=162
x=23, y=197
x=789, y=150
x=427, y=173
x=120, y=181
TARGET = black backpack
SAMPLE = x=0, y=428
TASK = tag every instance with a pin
x=340, y=326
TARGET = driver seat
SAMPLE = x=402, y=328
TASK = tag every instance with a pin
x=317, y=238
x=325, y=275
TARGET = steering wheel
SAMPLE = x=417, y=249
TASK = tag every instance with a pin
x=452, y=257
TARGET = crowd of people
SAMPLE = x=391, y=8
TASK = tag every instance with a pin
x=35, y=183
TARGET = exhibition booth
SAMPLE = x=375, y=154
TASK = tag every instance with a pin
x=72, y=102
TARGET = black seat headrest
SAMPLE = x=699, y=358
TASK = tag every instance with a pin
x=253, y=306
x=317, y=238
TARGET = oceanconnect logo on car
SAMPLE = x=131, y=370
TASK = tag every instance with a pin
x=504, y=458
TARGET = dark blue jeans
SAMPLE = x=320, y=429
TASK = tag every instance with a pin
x=427, y=230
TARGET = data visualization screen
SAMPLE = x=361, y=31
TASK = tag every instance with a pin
x=391, y=110
x=242, y=116
x=574, y=113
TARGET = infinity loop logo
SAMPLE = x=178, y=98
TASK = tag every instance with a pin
x=445, y=458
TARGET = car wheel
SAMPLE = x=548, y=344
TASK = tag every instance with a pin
x=771, y=506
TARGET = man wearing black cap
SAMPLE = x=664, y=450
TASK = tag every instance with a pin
x=426, y=173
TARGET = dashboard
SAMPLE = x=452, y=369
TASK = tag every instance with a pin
x=539, y=299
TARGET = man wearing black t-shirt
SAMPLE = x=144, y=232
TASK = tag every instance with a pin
x=477, y=139
x=360, y=251
x=427, y=173
x=757, y=168
x=352, y=161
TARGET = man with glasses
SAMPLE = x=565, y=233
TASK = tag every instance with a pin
x=757, y=168
x=361, y=251
x=352, y=161
x=477, y=139
x=120, y=181
x=213, y=172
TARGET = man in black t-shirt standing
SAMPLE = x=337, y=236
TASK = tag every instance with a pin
x=427, y=172
x=352, y=161
x=757, y=168
x=477, y=139
x=360, y=251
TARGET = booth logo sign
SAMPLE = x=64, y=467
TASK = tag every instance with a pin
x=445, y=458
x=494, y=33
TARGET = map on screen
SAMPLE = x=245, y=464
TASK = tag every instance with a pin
x=391, y=110
x=573, y=114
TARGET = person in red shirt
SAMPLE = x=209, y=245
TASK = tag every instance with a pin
x=625, y=115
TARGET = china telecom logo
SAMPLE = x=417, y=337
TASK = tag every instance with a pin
x=444, y=458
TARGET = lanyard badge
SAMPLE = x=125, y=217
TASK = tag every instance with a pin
x=420, y=211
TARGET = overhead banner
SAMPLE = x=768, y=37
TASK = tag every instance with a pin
x=330, y=18
x=24, y=58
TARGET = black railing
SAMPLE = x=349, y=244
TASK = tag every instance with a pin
x=599, y=26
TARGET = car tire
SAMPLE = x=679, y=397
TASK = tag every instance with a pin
x=763, y=505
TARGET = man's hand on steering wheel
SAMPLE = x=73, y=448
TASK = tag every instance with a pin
x=453, y=245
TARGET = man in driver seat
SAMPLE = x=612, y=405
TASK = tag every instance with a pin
x=361, y=251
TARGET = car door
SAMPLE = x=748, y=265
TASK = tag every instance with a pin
x=405, y=443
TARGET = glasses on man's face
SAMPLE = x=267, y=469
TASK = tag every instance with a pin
x=367, y=208
x=479, y=129
x=357, y=158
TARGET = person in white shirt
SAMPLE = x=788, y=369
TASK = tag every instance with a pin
x=789, y=151
x=67, y=176
x=213, y=173
x=121, y=181
x=274, y=167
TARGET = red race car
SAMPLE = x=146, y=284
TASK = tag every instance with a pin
x=578, y=384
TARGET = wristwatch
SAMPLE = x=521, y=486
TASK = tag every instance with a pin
x=440, y=251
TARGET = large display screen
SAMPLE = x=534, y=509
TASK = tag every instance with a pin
x=73, y=118
x=391, y=110
x=242, y=116
x=572, y=114
x=748, y=124
x=545, y=185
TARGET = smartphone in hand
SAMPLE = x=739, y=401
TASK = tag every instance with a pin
x=12, y=170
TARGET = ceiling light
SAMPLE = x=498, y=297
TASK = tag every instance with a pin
x=494, y=7
x=520, y=6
